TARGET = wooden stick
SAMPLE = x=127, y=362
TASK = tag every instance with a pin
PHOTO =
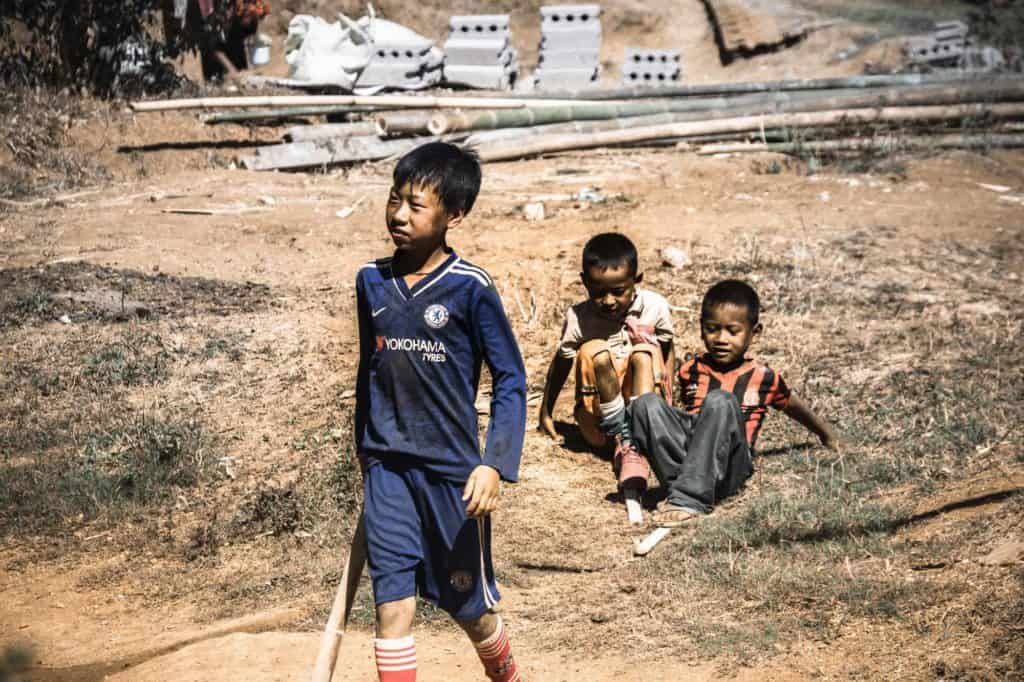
x=409, y=101
x=330, y=642
x=515, y=149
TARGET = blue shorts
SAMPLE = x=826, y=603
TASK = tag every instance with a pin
x=419, y=540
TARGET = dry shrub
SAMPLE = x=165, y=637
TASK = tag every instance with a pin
x=37, y=126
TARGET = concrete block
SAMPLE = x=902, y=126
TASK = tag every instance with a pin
x=927, y=49
x=565, y=79
x=587, y=38
x=479, y=25
x=569, y=15
x=394, y=53
x=640, y=57
x=486, y=77
x=950, y=30
x=477, y=52
x=650, y=78
x=396, y=74
x=562, y=59
x=628, y=67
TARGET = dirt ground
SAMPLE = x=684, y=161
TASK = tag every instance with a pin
x=893, y=303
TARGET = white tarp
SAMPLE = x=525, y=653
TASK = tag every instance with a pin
x=322, y=53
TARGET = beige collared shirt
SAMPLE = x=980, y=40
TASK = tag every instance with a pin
x=583, y=322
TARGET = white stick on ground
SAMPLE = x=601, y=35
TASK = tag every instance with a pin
x=641, y=546
x=633, y=508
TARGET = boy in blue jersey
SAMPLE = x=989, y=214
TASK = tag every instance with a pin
x=427, y=321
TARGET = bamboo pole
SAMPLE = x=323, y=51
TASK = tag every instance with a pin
x=446, y=122
x=330, y=131
x=403, y=123
x=396, y=101
x=289, y=112
x=851, y=100
x=704, y=89
x=555, y=143
x=888, y=143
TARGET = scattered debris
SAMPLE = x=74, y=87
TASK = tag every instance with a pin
x=534, y=211
x=214, y=211
x=981, y=309
x=1006, y=554
x=349, y=210
x=674, y=257
x=994, y=188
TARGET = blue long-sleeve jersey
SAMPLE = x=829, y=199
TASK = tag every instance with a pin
x=420, y=354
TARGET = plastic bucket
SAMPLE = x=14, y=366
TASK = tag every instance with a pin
x=259, y=50
x=259, y=55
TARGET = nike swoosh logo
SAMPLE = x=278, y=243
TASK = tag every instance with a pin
x=375, y=313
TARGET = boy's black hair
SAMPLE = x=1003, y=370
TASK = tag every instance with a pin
x=609, y=250
x=736, y=292
x=451, y=171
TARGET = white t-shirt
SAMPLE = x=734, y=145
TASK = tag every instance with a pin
x=583, y=322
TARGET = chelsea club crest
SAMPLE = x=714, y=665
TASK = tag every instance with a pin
x=436, y=316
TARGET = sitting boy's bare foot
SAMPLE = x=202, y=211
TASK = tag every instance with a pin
x=673, y=516
x=547, y=427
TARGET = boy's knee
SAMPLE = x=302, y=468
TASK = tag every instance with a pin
x=597, y=351
x=643, y=404
x=394, y=618
x=717, y=399
x=641, y=360
x=480, y=628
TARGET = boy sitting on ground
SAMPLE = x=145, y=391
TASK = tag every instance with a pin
x=702, y=454
x=428, y=320
x=621, y=341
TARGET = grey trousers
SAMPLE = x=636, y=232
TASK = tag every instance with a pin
x=698, y=459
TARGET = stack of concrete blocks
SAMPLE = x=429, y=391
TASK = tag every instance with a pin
x=570, y=47
x=407, y=65
x=950, y=46
x=650, y=68
x=943, y=47
x=479, y=52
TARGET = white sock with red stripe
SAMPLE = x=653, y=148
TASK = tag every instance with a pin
x=495, y=653
x=396, y=659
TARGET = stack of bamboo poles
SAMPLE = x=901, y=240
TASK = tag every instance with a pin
x=944, y=111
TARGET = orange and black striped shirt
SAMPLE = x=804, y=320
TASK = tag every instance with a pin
x=755, y=385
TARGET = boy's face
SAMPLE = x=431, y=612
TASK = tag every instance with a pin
x=727, y=333
x=611, y=289
x=417, y=219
